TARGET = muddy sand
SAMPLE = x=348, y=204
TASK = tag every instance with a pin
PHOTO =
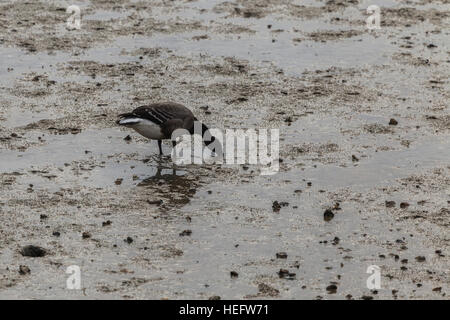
x=74, y=184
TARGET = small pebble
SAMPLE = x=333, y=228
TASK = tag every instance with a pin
x=129, y=240
x=393, y=122
x=420, y=259
x=106, y=223
x=332, y=289
x=328, y=215
x=276, y=206
x=23, y=270
x=186, y=233
x=390, y=204
x=86, y=235
x=33, y=251
x=285, y=274
x=404, y=205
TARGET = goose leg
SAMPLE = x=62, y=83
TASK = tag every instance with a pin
x=174, y=166
x=160, y=147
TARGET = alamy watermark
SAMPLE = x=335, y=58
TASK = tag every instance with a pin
x=73, y=282
x=373, y=21
x=74, y=20
x=234, y=146
x=374, y=280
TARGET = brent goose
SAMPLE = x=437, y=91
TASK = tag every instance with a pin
x=158, y=121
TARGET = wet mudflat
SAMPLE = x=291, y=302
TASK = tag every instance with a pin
x=364, y=126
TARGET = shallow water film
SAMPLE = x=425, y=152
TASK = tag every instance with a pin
x=358, y=207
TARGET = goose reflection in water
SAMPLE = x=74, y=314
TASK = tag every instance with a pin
x=174, y=185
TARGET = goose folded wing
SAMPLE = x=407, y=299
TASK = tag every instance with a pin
x=155, y=115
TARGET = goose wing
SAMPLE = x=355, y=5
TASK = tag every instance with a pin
x=160, y=113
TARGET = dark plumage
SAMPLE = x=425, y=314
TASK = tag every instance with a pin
x=159, y=120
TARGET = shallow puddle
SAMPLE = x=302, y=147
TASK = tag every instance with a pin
x=91, y=158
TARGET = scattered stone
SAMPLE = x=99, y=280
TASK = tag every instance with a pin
x=56, y=234
x=420, y=259
x=367, y=298
x=354, y=158
x=33, y=251
x=214, y=298
x=404, y=205
x=118, y=181
x=393, y=122
x=234, y=274
x=129, y=240
x=285, y=274
x=86, y=235
x=281, y=255
x=390, y=204
x=106, y=223
x=23, y=270
x=332, y=289
x=276, y=206
x=127, y=138
x=328, y=215
x=186, y=233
